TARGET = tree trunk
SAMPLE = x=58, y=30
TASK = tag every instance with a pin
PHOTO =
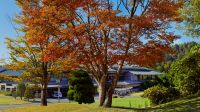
x=44, y=95
x=109, y=97
x=45, y=83
x=113, y=85
x=102, y=92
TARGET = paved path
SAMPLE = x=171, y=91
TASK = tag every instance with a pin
x=36, y=102
x=4, y=107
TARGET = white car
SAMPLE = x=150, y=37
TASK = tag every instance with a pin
x=57, y=94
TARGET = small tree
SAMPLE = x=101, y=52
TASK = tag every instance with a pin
x=20, y=90
x=81, y=88
x=29, y=92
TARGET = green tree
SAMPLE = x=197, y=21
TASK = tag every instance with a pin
x=179, y=51
x=184, y=72
x=81, y=88
x=190, y=13
x=20, y=90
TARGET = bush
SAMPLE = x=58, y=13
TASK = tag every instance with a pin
x=81, y=88
x=29, y=93
x=173, y=93
x=160, y=94
x=147, y=84
x=20, y=90
x=161, y=80
x=14, y=94
x=6, y=93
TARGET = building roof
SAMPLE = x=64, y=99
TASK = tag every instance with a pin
x=9, y=72
x=2, y=69
x=136, y=70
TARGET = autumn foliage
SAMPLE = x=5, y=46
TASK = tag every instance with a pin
x=97, y=34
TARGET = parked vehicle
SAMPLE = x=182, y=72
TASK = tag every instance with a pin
x=57, y=94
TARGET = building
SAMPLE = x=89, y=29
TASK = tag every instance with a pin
x=130, y=79
x=8, y=85
x=54, y=84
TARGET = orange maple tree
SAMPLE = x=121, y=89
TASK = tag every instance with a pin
x=97, y=34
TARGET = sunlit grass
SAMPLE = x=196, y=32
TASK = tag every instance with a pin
x=137, y=94
x=6, y=100
x=131, y=102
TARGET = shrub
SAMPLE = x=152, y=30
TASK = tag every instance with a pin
x=14, y=94
x=160, y=94
x=147, y=84
x=29, y=92
x=81, y=88
x=20, y=90
x=173, y=93
x=161, y=80
x=6, y=93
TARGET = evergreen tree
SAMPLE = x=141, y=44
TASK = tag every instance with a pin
x=81, y=88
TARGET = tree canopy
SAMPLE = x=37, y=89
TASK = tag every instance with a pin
x=97, y=34
x=184, y=72
x=190, y=13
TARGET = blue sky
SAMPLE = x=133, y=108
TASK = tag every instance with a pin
x=8, y=9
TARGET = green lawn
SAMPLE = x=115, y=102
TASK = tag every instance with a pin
x=6, y=100
x=137, y=94
x=189, y=104
x=66, y=107
x=132, y=102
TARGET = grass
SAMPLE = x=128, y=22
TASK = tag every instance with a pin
x=66, y=107
x=188, y=104
x=6, y=100
x=137, y=94
x=131, y=102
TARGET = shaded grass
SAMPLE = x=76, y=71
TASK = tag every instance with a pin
x=188, y=104
x=66, y=107
x=6, y=100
